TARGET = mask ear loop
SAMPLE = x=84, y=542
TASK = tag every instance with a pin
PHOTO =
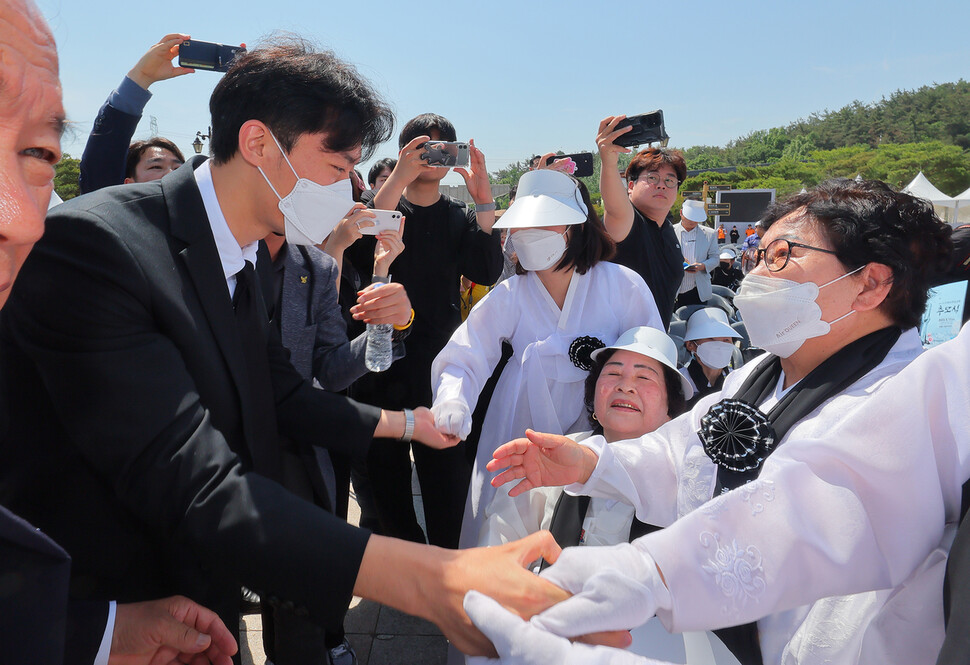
x=282, y=152
x=851, y=311
x=579, y=200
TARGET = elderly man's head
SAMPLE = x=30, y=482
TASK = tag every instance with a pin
x=31, y=122
x=865, y=223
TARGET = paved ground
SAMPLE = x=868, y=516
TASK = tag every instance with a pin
x=380, y=635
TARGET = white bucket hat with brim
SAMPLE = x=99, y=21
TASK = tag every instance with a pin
x=651, y=343
x=544, y=198
x=709, y=322
x=694, y=211
x=726, y=255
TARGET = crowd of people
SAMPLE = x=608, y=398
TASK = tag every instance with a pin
x=738, y=451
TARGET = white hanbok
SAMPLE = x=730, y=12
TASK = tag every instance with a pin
x=607, y=522
x=540, y=387
x=857, y=499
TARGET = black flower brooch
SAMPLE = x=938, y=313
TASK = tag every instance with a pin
x=580, y=350
x=736, y=435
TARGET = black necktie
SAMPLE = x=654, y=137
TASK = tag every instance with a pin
x=258, y=407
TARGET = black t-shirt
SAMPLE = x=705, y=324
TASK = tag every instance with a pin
x=654, y=253
x=442, y=242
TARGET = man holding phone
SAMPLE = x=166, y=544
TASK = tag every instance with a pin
x=637, y=215
x=443, y=240
x=699, y=245
x=107, y=159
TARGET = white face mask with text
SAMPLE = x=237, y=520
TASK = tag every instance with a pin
x=780, y=314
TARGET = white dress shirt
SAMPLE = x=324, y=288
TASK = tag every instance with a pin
x=231, y=255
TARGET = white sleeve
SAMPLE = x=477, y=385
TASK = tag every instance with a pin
x=468, y=359
x=508, y=519
x=855, y=511
x=636, y=303
x=647, y=473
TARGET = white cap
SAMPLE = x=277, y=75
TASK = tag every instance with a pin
x=651, y=343
x=709, y=322
x=727, y=255
x=694, y=211
x=544, y=198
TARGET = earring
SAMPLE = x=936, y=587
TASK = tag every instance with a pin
x=595, y=418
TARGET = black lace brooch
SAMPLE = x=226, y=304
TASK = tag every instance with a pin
x=581, y=349
x=736, y=435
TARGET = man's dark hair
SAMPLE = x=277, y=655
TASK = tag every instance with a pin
x=651, y=159
x=423, y=125
x=676, y=402
x=138, y=148
x=375, y=171
x=869, y=222
x=588, y=243
x=296, y=90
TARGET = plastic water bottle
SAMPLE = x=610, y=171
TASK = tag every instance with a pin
x=377, y=355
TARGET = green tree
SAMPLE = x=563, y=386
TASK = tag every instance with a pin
x=66, y=174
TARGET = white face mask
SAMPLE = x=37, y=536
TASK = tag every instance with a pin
x=715, y=354
x=780, y=314
x=312, y=210
x=538, y=249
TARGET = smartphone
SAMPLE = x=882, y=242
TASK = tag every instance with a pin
x=582, y=165
x=647, y=128
x=446, y=154
x=207, y=55
x=385, y=220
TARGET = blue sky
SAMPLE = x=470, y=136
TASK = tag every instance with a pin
x=527, y=77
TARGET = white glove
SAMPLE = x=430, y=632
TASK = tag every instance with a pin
x=518, y=642
x=615, y=588
x=452, y=416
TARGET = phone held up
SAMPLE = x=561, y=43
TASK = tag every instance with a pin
x=207, y=55
x=647, y=128
x=384, y=220
x=579, y=164
x=446, y=154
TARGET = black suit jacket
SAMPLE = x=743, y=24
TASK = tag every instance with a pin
x=128, y=440
x=37, y=623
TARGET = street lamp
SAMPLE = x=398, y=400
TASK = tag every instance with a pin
x=199, y=138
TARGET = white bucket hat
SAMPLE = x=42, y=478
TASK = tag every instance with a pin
x=651, y=343
x=544, y=198
x=694, y=211
x=726, y=255
x=709, y=322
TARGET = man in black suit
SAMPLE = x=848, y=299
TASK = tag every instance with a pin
x=38, y=624
x=134, y=391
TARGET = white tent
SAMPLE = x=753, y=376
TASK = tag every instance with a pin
x=924, y=189
x=946, y=206
x=962, y=207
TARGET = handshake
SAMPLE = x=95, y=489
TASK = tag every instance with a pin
x=613, y=588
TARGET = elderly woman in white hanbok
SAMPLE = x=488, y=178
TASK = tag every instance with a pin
x=633, y=388
x=841, y=281
x=566, y=302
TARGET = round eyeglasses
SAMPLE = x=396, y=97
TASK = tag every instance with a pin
x=653, y=178
x=777, y=252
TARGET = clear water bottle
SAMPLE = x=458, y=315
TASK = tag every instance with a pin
x=377, y=356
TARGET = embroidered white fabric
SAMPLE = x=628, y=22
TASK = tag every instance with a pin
x=854, y=499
